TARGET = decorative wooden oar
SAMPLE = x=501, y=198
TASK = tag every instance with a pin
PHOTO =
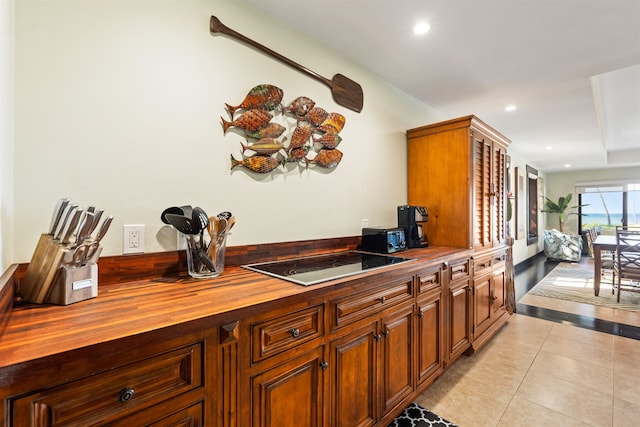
x=345, y=91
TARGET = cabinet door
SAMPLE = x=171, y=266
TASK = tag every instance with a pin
x=429, y=329
x=352, y=363
x=397, y=357
x=291, y=394
x=482, y=191
x=459, y=337
x=499, y=190
x=482, y=303
x=499, y=291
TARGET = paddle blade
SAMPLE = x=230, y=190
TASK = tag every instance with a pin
x=347, y=93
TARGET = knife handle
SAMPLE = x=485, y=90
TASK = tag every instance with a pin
x=63, y=221
x=104, y=228
x=70, y=226
x=57, y=214
x=83, y=230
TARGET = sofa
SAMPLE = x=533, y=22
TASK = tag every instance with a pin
x=562, y=246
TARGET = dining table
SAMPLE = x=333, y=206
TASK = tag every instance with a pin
x=601, y=243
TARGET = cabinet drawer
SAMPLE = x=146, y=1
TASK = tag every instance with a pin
x=459, y=269
x=284, y=332
x=429, y=280
x=114, y=394
x=358, y=306
x=482, y=264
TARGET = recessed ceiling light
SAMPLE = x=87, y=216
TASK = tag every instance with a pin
x=510, y=108
x=548, y=148
x=421, y=28
x=567, y=165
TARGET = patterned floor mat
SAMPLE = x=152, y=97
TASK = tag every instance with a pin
x=416, y=416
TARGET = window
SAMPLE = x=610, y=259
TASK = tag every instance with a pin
x=607, y=206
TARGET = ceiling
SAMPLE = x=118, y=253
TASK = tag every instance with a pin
x=572, y=67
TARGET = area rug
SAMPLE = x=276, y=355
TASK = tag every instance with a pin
x=416, y=416
x=574, y=282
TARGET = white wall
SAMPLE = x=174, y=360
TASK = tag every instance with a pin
x=6, y=133
x=118, y=104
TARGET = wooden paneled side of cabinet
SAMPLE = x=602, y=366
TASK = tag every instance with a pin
x=457, y=170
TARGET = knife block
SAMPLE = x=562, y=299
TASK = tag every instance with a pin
x=42, y=269
x=49, y=280
x=73, y=284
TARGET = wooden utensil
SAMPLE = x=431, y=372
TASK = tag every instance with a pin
x=345, y=91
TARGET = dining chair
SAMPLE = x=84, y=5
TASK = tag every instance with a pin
x=606, y=257
x=627, y=259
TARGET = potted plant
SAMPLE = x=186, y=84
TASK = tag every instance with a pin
x=560, y=208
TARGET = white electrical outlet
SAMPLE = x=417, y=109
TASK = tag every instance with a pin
x=365, y=223
x=133, y=238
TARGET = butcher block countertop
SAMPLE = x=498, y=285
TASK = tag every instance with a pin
x=135, y=304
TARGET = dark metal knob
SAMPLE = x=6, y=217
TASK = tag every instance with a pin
x=385, y=333
x=420, y=314
x=295, y=332
x=382, y=299
x=126, y=394
x=324, y=366
x=377, y=337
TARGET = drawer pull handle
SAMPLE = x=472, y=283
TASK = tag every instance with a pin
x=382, y=300
x=429, y=281
x=295, y=332
x=126, y=394
x=324, y=366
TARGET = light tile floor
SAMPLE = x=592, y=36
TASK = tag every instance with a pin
x=535, y=372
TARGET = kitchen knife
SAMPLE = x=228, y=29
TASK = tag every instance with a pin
x=101, y=232
x=70, y=226
x=104, y=228
x=83, y=229
x=96, y=219
x=57, y=214
x=63, y=221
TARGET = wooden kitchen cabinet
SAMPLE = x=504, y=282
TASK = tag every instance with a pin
x=290, y=394
x=372, y=369
x=457, y=169
x=429, y=326
x=489, y=290
x=458, y=309
x=163, y=384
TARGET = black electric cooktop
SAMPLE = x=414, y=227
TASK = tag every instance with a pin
x=321, y=268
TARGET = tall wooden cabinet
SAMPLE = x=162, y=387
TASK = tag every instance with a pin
x=457, y=169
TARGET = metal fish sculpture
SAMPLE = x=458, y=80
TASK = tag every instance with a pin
x=252, y=120
x=328, y=140
x=299, y=106
x=316, y=115
x=326, y=158
x=273, y=130
x=265, y=147
x=297, y=154
x=333, y=123
x=264, y=97
x=301, y=135
x=258, y=164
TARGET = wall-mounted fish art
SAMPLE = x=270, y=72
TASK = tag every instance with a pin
x=312, y=138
